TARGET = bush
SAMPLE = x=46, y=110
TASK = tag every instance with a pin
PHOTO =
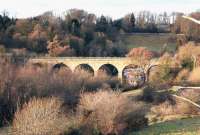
x=182, y=77
x=188, y=50
x=109, y=112
x=102, y=81
x=19, y=84
x=141, y=52
x=39, y=117
x=161, y=77
x=151, y=95
x=180, y=107
x=186, y=53
x=148, y=94
x=194, y=76
x=191, y=94
x=141, y=55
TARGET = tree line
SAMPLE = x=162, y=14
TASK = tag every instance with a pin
x=79, y=33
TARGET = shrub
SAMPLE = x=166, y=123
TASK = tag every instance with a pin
x=141, y=52
x=148, y=94
x=182, y=77
x=109, y=113
x=194, y=76
x=160, y=77
x=19, y=84
x=39, y=117
x=187, y=63
x=186, y=53
x=151, y=95
x=102, y=81
x=191, y=94
x=141, y=55
x=167, y=59
x=180, y=107
x=188, y=50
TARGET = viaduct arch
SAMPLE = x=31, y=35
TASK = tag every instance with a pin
x=116, y=64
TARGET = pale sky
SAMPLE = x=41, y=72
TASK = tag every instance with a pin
x=112, y=8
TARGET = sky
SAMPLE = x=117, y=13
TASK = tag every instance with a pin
x=112, y=8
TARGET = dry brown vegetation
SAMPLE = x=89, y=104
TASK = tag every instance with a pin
x=191, y=94
x=40, y=117
x=141, y=52
x=103, y=112
x=187, y=54
x=187, y=51
x=141, y=55
x=110, y=112
x=177, y=69
x=178, y=107
x=162, y=75
x=187, y=27
x=195, y=76
x=19, y=84
x=42, y=101
x=182, y=77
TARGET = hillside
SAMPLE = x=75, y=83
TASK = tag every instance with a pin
x=154, y=42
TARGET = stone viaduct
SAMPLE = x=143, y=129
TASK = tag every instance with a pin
x=96, y=63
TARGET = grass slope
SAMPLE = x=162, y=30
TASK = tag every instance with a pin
x=171, y=125
x=154, y=42
x=4, y=131
x=189, y=126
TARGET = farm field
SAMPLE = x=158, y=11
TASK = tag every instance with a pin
x=153, y=42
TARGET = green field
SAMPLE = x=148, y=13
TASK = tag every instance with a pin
x=189, y=126
x=153, y=42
